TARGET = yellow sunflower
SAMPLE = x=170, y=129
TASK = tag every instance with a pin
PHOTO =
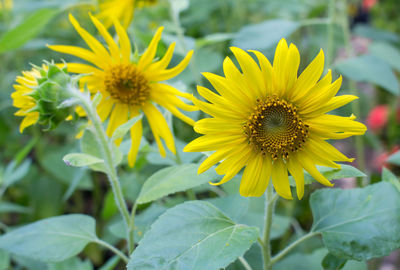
x=121, y=10
x=129, y=87
x=22, y=99
x=270, y=121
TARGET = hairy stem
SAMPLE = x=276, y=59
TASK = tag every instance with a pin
x=103, y=141
x=269, y=212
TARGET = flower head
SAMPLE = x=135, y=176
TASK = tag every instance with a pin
x=39, y=94
x=129, y=87
x=121, y=10
x=270, y=121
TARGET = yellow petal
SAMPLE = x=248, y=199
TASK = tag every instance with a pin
x=280, y=179
x=172, y=72
x=136, y=136
x=149, y=54
x=29, y=120
x=118, y=117
x=256, y=177
x=124, y=42
x=296, y=170
x=309, y=166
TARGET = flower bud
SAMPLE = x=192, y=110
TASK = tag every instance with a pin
x=39, y=94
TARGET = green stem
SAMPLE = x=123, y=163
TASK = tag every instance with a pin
x=131, y=229
x=107, y=157
x=330, y=30
x=113, y=249
x=269, y=212
x=284, y=252
x=359, y=142
x=181, y=39
x=245, y=264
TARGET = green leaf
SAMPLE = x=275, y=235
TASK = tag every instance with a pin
x=388, y=176
x=143, y=221
x=14, y=173
x=331, y=262
x=395, y=158
x=171, y=180
x=51, y=240
x=71, y=264
x=90, y=146
x=312, y=261
x=27, y=30
x=264, y=35
x=124, y=128
x=358, y=224
x=81, y=160
x=193, y=235
x=346, y=171
x=371, y=69
x=7, y=207
x=387, y=53
x=375, y=33
x=111, y=264
x=250, y=211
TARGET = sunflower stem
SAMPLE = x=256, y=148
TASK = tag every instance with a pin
x=270, y=200
x=359, y=142
x=107, y=156
x=113, y=249
x=285, y=251
x=330, y=30
x=131, y=229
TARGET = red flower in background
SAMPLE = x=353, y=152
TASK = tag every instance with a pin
x=368, y=4
x=380, y=161
x=378, y=117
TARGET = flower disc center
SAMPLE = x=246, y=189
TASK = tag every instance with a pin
x=127, y=84
x=275, y=128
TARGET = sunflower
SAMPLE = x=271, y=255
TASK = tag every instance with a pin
x=129, y=87
x=23, y=100
x=121, y=10
x=270, y=121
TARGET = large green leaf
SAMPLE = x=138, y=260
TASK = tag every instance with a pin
x=386, y=52
x=51, y=240
x=194, y=235
x=250, y=211
x=264, y=35
x=27, y=30
x=358, y=224
x=371, y=69
x=4, y=260
x=331, y=174
x=173, y=179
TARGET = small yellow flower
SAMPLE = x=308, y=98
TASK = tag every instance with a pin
x=128, y=87
x=270, y=121
x=121, y=10
x=22, y=100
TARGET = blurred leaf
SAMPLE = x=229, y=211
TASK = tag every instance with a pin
x=264, y=35
x=388, y=176
x=386, y=52
x=121, y=130
x=346, y=171
x=7, y=207
x=375, y=34
x=371, y=69
x=214, y=38
x=193, y=235
x=171, y=180
x=71, y=264
x=51, y=240
x=14, y=173
x=331, y=262
x=394, y=158
x=178, y=6
x=358, y=224
x=81, y=160
x=76, y=180
x=143, y=221
x=27, y=30
x=4, y=260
